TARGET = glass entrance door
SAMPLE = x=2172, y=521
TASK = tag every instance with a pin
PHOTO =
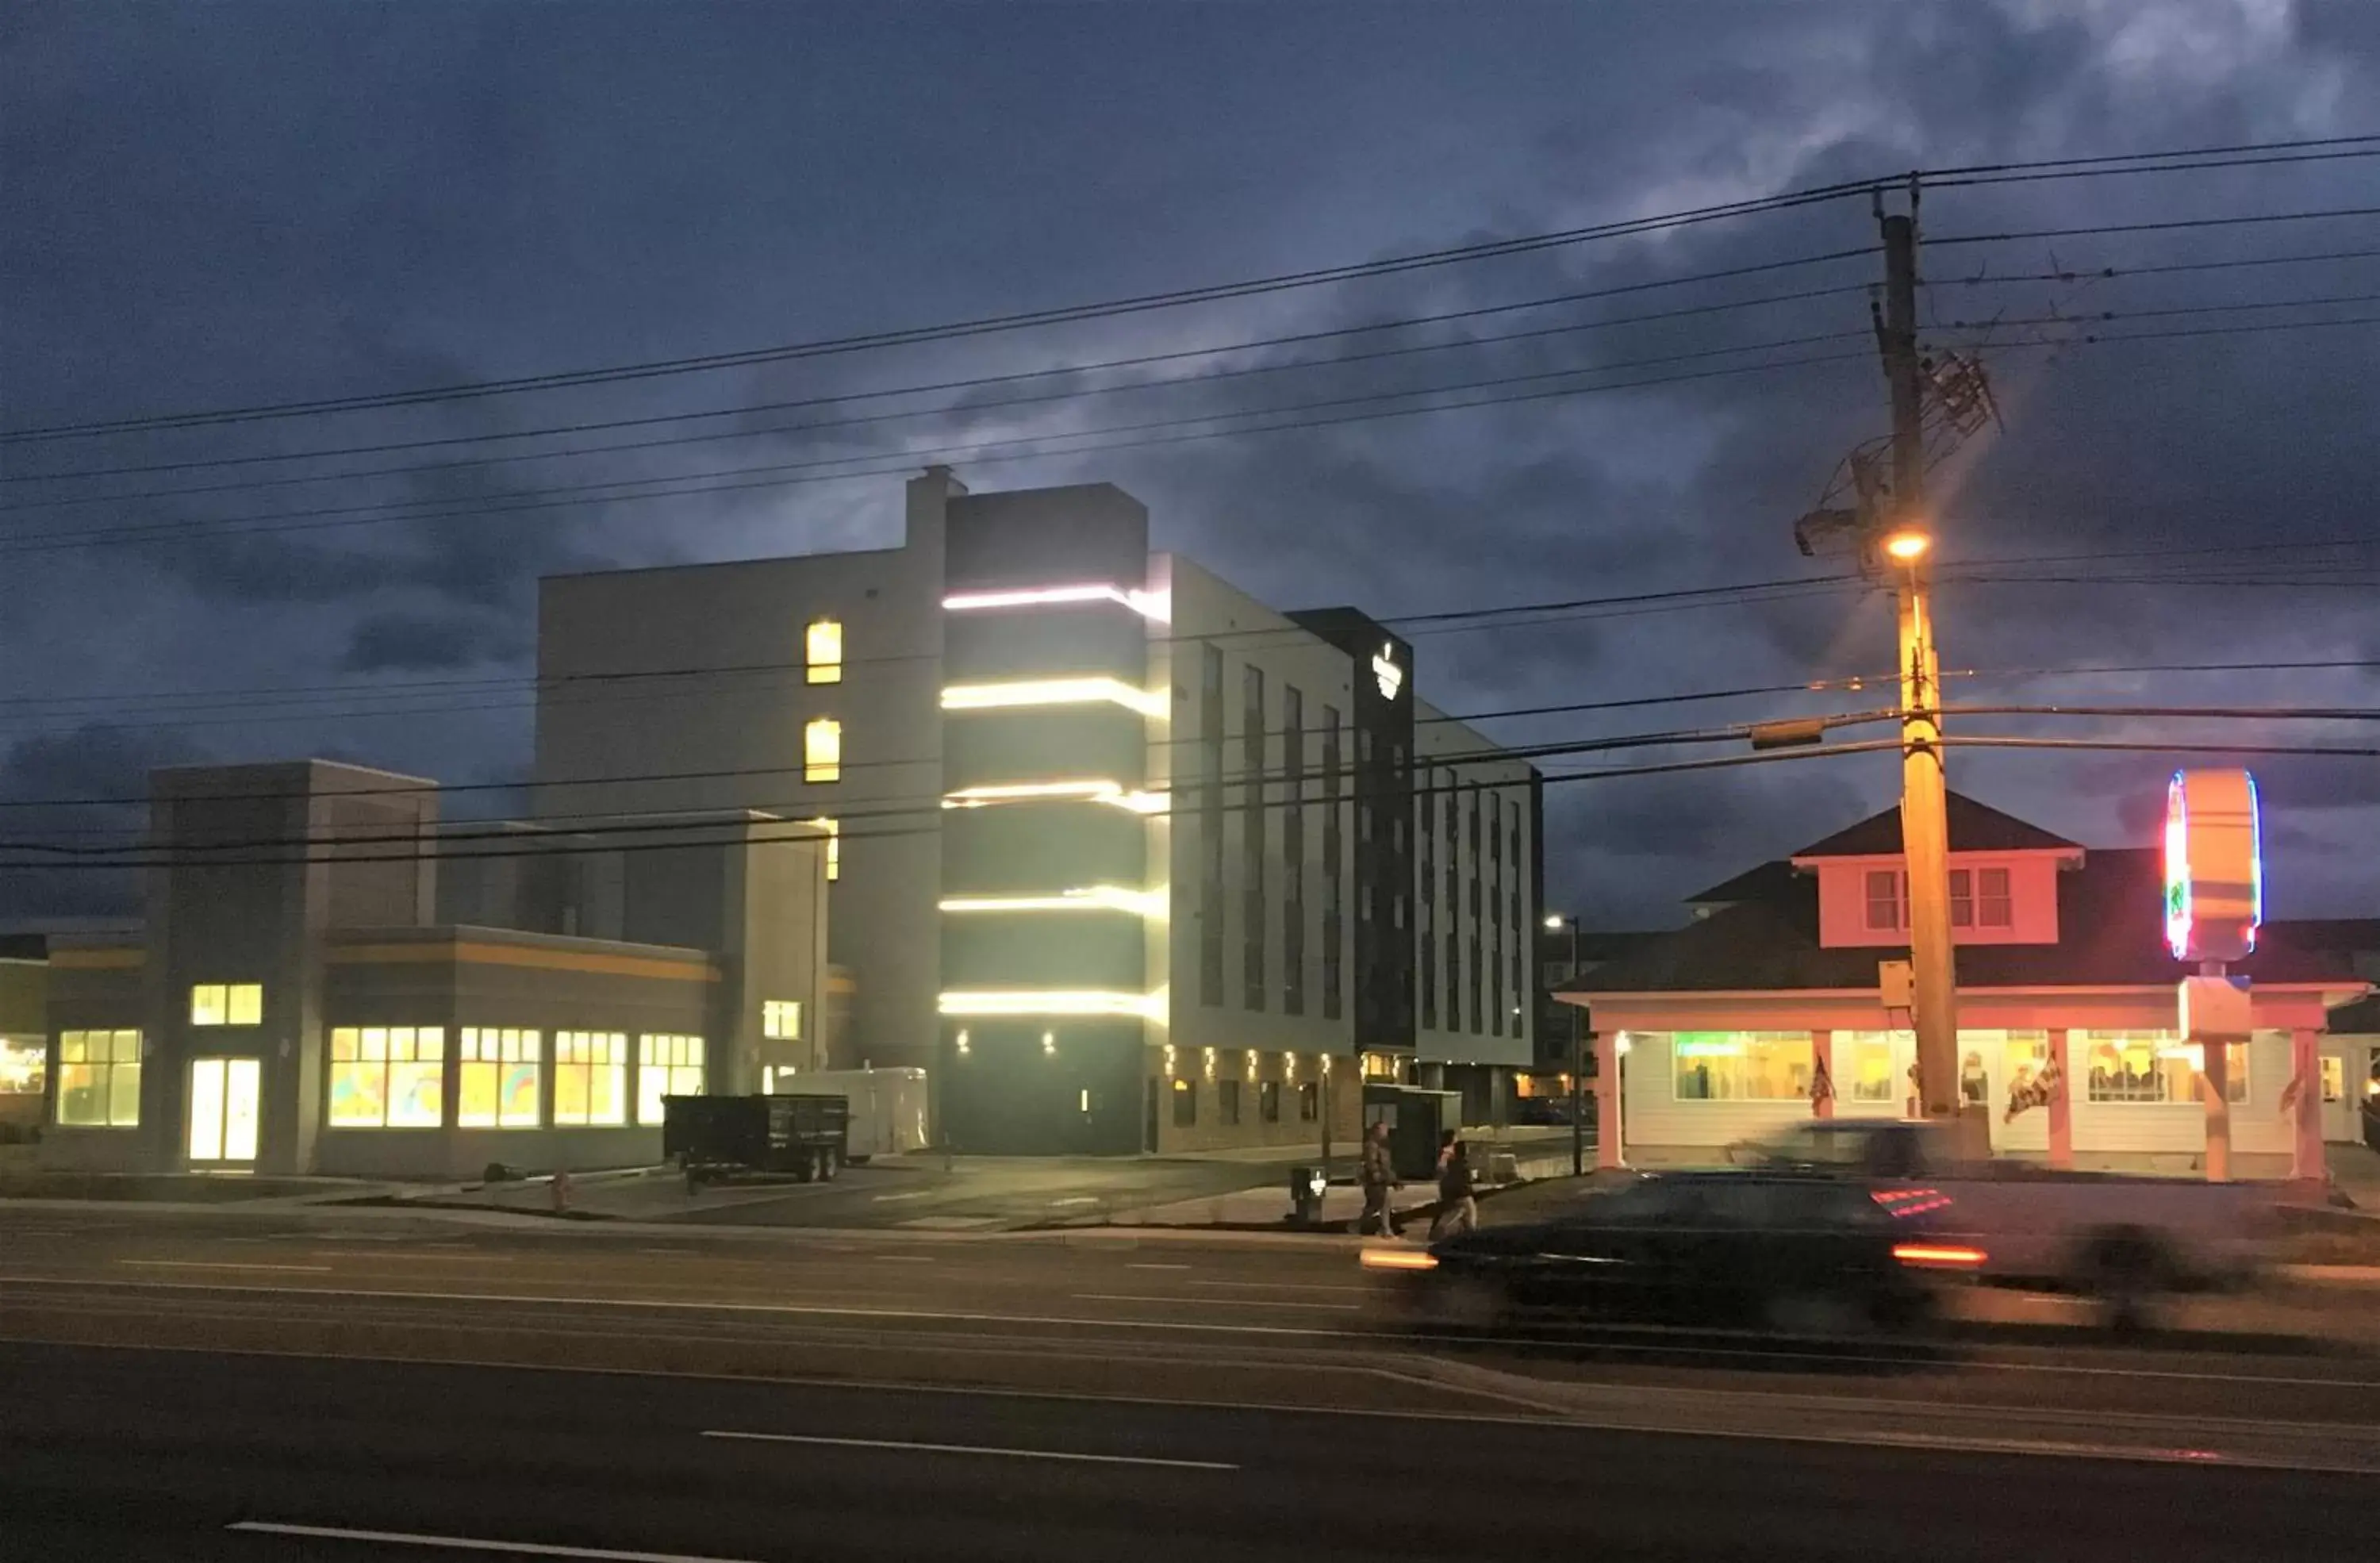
x=224, y=1100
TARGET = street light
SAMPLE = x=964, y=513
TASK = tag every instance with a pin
x=1908, y=545
x=1555, y=922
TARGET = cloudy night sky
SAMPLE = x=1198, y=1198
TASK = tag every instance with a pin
x=232, y=205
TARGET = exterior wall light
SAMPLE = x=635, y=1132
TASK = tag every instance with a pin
x=1154, y=704
x=1153, y=605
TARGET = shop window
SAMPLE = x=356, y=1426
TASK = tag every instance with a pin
x=500, y=1079
x=24, y=1066
x=822, y=750
x=1741, y=1066
x=218, y=1003
x=1185, y=1104
x=780, y=1019
x=2333, y=1078
x=1227, y=1102
x=590, y=1077
x=1863, y=1066
x=2155, y=1066
x=99, y=1079
x=1269, y=1102
x=823, y=651
x=1309, y=1102
x=388, y=1076
x=666, y=1066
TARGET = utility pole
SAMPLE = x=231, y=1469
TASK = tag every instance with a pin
x=1925, y=826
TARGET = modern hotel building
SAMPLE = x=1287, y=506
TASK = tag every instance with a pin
x=1130, y=860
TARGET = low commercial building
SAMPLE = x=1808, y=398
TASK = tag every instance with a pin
x=1768, y=1008
x=1129, y=860
x=296, y=1002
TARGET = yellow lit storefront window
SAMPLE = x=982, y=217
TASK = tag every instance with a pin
x=388, y=1077
x=822, y=750
x=1741, y=1066
x=666, y=1066
x=502, y=1079
x=23, y=1066
x=99, y=1079
x=590, y=1077
x=2153, y=1066
x=1864, y=1065
x=823, y=651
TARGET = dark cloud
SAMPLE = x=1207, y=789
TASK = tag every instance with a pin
x=400, y=640
x=314, y=202
x=69, y=788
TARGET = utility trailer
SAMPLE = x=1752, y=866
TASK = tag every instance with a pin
x=715, y=1138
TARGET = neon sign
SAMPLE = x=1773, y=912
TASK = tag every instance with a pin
x=2214, y=865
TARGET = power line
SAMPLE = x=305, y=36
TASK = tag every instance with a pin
x=2168, y=225
x=986, y=325
x=978, y=382
x=2047, y=169
x=896, y=462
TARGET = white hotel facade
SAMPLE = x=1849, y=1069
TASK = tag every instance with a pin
x=1130, y=860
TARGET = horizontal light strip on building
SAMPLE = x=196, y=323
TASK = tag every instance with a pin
x=1087, y=790
x=1150, y=703
x=1035, y=1001
x=1153, y=605
x=1092, y=898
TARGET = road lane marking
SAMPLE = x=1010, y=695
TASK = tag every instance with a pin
x=1211, y=1302
x=469, y=1544
x=1068, y=1455
x=1079, y=1199
x=225, y=1265
x=912, y=1193
x=1159, y=1267
x=905, y=1258
x=1281, y=1286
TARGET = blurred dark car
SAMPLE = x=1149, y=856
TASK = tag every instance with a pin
x=1801, y=1254
x=1541, y=1110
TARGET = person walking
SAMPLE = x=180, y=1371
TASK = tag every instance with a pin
x=1379, y=1176
x=1458, y=1207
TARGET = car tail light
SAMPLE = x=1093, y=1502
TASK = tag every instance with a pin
x=1399, y=1259
x=1939, y=1256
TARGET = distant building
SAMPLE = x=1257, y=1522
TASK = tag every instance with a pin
x=1736, y=1024
x=296, y=999
x=1128, y=859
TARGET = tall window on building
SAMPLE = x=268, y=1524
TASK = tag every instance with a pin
x=590, y=1077
x=1185, y=1104
x=1292, y=851
x=1516, y=941
x=501, y=1080
x=1252, y=837
x=1426, y=899
x=1211, y=825
x=388, y=1076
x=823, y=651
x=833, y=829
x=1334, y=868
x=780, y=1019
x=218, y=1003
x=99, y=1079
x=822, y=750
x=667, y=1065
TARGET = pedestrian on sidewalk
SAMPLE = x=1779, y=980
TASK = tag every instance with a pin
x=1458, y=1208
x=1379, y=1177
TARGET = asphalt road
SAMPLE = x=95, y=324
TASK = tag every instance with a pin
x=139, y=1455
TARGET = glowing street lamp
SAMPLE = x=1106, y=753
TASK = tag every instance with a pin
x=1908, y=545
